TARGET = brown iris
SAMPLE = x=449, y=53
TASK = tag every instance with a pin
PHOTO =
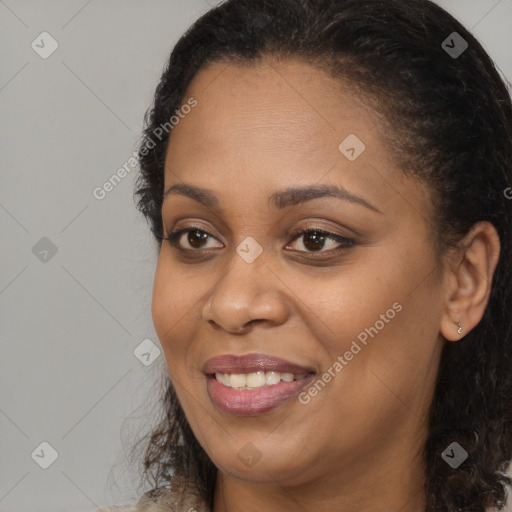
x=197, y=237
x=316, y=240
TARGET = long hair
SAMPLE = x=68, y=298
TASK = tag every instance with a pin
x=448, y=122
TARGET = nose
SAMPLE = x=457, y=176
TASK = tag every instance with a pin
x=248, y=294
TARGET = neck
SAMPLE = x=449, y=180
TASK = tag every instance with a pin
x=388, y=481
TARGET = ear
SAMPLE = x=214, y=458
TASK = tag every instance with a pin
x=470, y=271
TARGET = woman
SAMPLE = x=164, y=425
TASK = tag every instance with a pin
x=329, y=185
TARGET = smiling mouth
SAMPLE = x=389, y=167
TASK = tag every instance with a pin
x=249, y=394
x=253, y=384
x=256, y=380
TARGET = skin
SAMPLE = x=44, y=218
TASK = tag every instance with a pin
x=356, y=445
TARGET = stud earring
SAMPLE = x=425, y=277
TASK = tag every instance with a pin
x=459, y=330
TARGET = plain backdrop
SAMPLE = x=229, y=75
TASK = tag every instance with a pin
x=76, y=271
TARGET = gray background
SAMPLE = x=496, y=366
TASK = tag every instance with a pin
x=71, y=322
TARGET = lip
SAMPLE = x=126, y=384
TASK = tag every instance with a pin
x=252, y=363
x=251, y=402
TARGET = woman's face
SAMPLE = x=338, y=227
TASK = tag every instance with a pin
x=325, y=344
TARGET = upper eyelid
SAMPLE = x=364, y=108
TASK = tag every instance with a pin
x=350, y=232
x=307, y=229
x=177, y=233
x=339, y=239
x=294, y=234
x=191, y=228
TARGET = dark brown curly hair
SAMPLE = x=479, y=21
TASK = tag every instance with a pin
x=448, y=122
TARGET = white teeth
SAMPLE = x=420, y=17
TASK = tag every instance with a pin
x=237, y=380
x=272, y=378
x=223, y=378
x=255, y=379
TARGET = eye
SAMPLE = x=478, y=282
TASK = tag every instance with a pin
x=195, y=240
x=314, y=240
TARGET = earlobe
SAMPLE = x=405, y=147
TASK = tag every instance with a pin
x=454, y=332
x=469, y=282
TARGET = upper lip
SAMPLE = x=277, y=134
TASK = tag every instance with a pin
x=252, y=363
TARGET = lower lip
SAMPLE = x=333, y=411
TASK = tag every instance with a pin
x=250, y=402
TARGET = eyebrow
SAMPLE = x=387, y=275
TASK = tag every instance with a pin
x=282, y=199
x=201, y=195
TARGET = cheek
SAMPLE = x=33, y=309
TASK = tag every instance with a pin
x=173, y=307
x=392, y=354
x=346, y=307
x=384, y=316
x=163, y=305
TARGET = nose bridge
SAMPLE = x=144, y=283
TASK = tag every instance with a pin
x=246, y=293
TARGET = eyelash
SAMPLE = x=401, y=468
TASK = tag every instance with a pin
x=345, y=243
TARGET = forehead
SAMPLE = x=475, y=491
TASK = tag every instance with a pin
x=286, y=109
x=262, y=126
x=272, y=107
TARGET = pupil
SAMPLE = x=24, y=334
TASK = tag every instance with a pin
x=317, y=238
x=196, y=237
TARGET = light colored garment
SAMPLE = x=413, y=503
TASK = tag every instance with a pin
x=126, y=508
x=180, y=498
